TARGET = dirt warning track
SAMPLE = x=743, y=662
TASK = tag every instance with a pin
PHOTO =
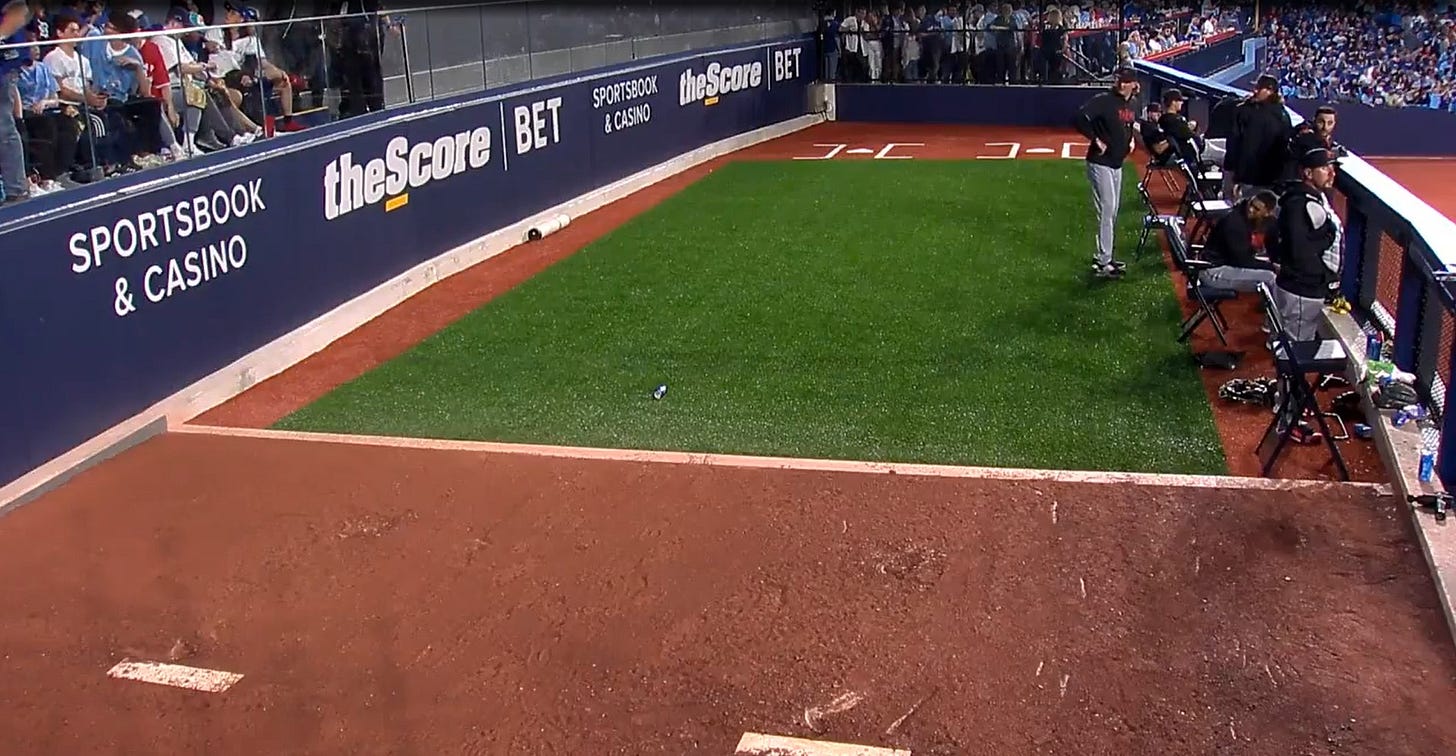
x=386, y=600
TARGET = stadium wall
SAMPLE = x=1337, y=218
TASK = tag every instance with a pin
x=161, y=295
x=1032, y=106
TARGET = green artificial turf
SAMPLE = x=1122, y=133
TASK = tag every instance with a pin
x=926, y=311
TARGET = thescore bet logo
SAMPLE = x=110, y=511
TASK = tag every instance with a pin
x=717, y=81
x=350, y=186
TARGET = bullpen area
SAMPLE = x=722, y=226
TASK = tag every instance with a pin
x=468, y=526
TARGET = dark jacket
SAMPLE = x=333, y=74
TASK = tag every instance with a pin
x=1259, y=144
x=1300, y=247
x=1231, y=242
x=1178, y=130
x=1221, y=118
x=1109, y=118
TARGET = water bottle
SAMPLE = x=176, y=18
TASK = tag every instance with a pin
x=660, y=391
x=1428, y=457
x=1408, y=413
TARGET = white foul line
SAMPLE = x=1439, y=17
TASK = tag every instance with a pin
x=830, y=155
x=1011, y=153
x=884, y=153
x=754, y=744
x=175, y=675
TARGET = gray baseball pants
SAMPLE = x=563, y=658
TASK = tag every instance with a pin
x=1106, y=197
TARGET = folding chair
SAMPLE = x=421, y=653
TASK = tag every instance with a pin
x=1158, y=165
x=1152, y=219
x=1205, y=297
x=1199, y=207
x=1294, y=362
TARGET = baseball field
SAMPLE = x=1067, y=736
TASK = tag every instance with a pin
x=919, y=311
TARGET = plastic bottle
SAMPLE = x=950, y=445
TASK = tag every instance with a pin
x=1372, y=346
x=660, y=392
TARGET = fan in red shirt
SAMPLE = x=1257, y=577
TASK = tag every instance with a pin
x=161, y=88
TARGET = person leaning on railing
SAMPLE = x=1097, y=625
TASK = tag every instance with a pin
x=14, y=185
x=1306, y=245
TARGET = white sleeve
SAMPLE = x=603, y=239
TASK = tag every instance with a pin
x=1317, y=215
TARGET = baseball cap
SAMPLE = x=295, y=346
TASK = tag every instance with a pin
x=1173, y=94
x=1318, y=157
x=1267, y=82
x=1125, y=75
x=248, y=12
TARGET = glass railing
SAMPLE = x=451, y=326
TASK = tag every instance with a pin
x=1057, y=45
x=112, y=96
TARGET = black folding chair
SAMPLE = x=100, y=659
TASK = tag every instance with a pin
x=1200, y=206
x=1206, y=298
x=1294, y=362
x=1153, y=220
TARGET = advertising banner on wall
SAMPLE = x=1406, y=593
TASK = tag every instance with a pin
x=110, y=309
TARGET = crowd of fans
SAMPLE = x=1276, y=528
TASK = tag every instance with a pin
x=75, y=108
x=1006, y=43
x=1398, y=56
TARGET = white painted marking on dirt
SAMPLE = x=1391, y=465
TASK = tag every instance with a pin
x=843, y=703
x=837, y=148
x=1040, y=151
x=1015, y=149
x=1067, y=151
x=175, y=675
x=784, y=463
x=884, y=153
x=860, y=151
x=755, y=744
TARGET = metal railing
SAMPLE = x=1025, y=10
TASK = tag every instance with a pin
x=240, y=80
x=1399, y=266
x=988, y=49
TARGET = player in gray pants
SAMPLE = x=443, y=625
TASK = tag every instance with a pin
x=1107, y=122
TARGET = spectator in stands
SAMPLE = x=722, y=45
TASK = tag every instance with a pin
x=161, y=91
x=1230, y=251
x=248, y=66
x=1052, y=47
x=121, y=75
x=104, y=128
x=1195, y=149
x=1259, y=142
x=14, y=186
x=829, y=47
x=1343, y=53
x=851, y=52
x=51, y=130
x=873, y=47
x=203, y=124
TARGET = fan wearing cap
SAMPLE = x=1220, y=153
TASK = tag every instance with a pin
x=1106, y=121
x=1259, y=144
x=1194, y=148
x=1306, y=245
x=250, y=60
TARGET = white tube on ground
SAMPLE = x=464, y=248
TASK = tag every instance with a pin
x=548, y=227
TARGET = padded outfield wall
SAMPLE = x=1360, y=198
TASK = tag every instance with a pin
x=120, y=295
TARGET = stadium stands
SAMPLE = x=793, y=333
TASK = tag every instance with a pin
x=1345, y=53
x=1012, y=43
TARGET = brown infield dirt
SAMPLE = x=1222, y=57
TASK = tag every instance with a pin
x=382, y=600
x=423, y=601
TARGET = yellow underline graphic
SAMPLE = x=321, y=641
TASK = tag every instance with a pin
x=395, y=203
x=711, y=100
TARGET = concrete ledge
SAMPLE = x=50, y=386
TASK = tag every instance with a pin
x=1400, y=449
